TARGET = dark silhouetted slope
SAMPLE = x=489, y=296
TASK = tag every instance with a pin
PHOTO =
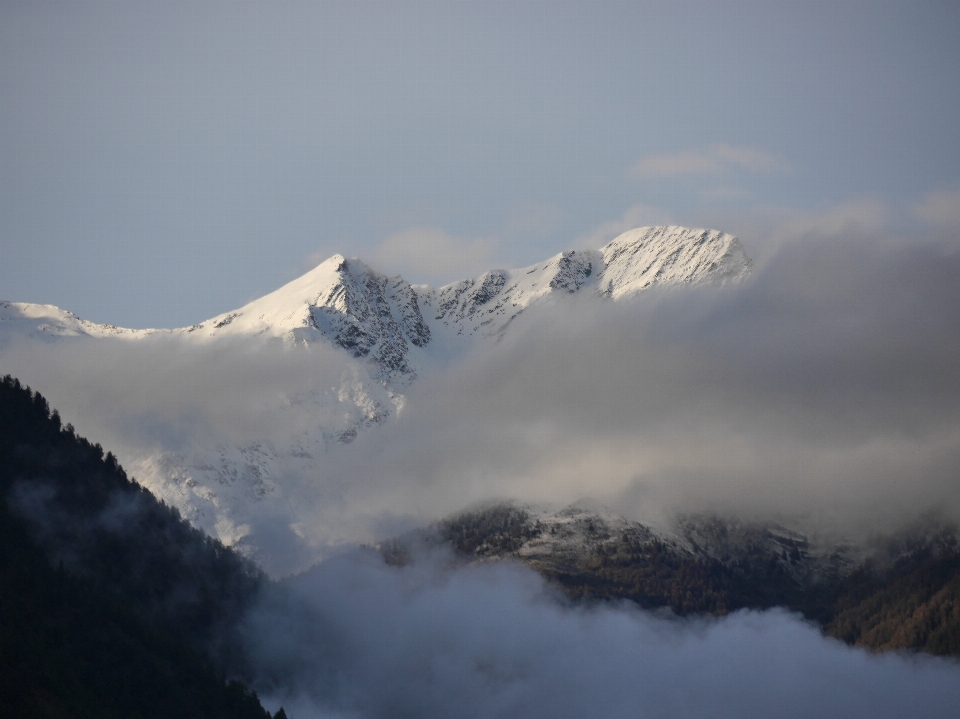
x=110, y=604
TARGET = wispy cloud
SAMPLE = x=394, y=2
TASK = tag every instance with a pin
x=717, y=159
x=433, y=255
x=635, y=216
x=725, y=194
x=856, y=218
x=683, y=163
x=766, y=228
x=940, y=209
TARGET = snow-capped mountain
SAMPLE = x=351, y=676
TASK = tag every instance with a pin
x=394, y=325
x=386, y=334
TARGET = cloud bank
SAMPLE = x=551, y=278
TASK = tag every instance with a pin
x=826, y=387
x=824, y=392
x=166, y=392
x=355, y=638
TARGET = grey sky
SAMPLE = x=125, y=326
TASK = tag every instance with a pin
x=164, y=162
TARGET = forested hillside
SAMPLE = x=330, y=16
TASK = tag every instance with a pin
x=905, y=596
x=110, y=604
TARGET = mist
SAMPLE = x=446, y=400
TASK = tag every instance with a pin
x=823, y=392
x=164, y=391
x=356, y=638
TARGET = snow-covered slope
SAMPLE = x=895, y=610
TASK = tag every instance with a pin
x=386, y=333
x=385, y=321
x=48, y=323
x=635, y=261
x=369, y=315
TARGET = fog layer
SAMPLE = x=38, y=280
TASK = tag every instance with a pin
x=355, y=638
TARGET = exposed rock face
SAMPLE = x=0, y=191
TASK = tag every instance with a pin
x=379, y=318
x=894, y=593
x=371, y=316
x=573, y=271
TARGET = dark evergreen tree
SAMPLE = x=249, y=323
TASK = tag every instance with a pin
x=110, y=604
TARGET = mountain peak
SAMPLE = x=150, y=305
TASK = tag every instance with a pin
x=381, y=319
x=647, y=256
x=386, y=322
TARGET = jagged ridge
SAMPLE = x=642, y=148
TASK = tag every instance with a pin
x=378, y=318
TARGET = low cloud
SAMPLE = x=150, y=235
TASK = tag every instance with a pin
x=356, y=638
x=717, y=159
x=168, y=393
x=766, y=230
x=825, y=389
x=856, y=219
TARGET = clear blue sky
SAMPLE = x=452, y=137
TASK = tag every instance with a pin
x=164, y=162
